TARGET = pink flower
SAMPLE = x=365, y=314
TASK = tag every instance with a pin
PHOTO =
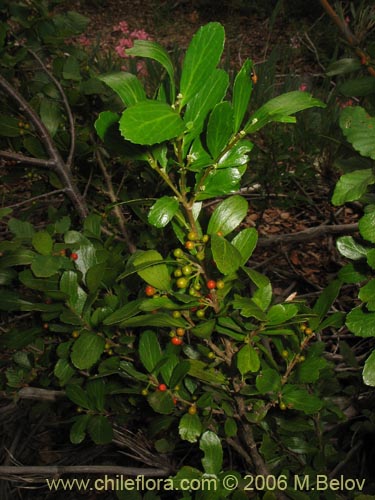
x=123, y=44
x=84, y=41
x=302, y=87
x=122, y=26
x=140, y=35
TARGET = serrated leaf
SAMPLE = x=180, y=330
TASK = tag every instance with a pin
x=190, y=428
x=248, y=308
x=63, y=371
x=268, y=381
x=359, y=129
x=152, y=50
x=100, y=429
x=87, y=350
x=161, y=402
x=219, y=128
x=149, y=350
x=21, y=229
x=352, y=186
x=210, y=444
x=300, y=399
x=201, y=371
x=79, y=397
x=361, y=323
x=366, y=226
x=126, y=85
x=163, y=211
x=367, y=294
x=95, y=390
x=369, y=370
x=42, y=242
x=227, y=258
x=201, y=58
x=154, y=274
x=247, y=360
x=242, y=90
x=228, y=215
x=349, y=248
x=308, y=372
x=150, y=122
x=44, y=266
x=263, y=297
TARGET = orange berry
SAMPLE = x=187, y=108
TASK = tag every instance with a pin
x=150, y=290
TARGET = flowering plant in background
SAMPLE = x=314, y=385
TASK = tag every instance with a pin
x=127, y=41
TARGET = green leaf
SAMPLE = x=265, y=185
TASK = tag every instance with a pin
x=280, y=313
x=150, y=122
x=95, y=276
x=210, y=444
x=181, y=369
x=163, y=211
x=96, y=394
x=242, y=90
x=79, y=397
x=247, y=360
x=204, y=329
x=263, y=297
x=248, y=308
x=308, y=372
x=149, y=350
x=127, y=87
x=78, y=429
x=9, y=126
x=369, y=370
x=268, y=381
x=219, y=128
x=281, y=107
x=221, y=182
x=152, y=272
x=76, y=296
x=344, y=65
x=349, y=274
x=100, y=429
x=230, y=427
x=104, y=122
x=71, y=69
x=21, y=257
x=237, y=155
x=21, y=229
x=157, y=319
x=127, y=311
x=366, y=226
x=227, y=258
x=161, y=402
x=152, y=50
x=358, y=87
x=367, y=294
x=201, y=371
x=87, y=350
x=349, y=248
x=325, y=302
x=300, y=399
x=245, y=242
x=63, y=371
x=352, y=186
x=201, y=58
x=44, y=266
x=359, y=129
x=42, y=242
x=228, y=215
x=361, y=323
x=190, y=428
x=51, y=115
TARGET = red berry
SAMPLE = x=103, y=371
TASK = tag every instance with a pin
x=189, y=245
x=74, y=256
x=150, y=291
x=211, y=284
x=162, y=387
x=176, y=341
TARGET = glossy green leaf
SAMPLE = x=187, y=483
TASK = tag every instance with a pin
x=263, y=297
x=201, y=58
x=100, y=429
x=78, y=429
x=190, y=428
x=163, y=211
x=161, y=402
x=221, y=182
x=149, y=350
x=299, y=398
x=361, y=323
x=126, y=85
x=87, y=350
x=367, y=294
x=281, y=107
x=201, y=371
x=247, y=360
x=280, y=313
x=268, y=381
x=371, y=258
x=211, y=93
x=366, y=226
x=227, y=258
x=44, y=266
x=104, y=121
x=359, y=129
x=167, y=365
x=154, y=274
x=248, y=308
x=349, y=248
x=63, y=371
x=210, y=444
x=42, y=242
x=242, y=90
x=369, y=370
x=152, y=50
x=150, y=122
x=245, y=242
x=125, y=312
x=198, y=156
x=76, y=296
x=219, y=128
x=228, y=215
x=79, y=397
x=180, y=370
x=237, y=155
x=51, y=115
x=352, y=186
x=157, y=319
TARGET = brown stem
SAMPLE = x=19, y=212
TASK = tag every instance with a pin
x=233, y=443
x=57, y=163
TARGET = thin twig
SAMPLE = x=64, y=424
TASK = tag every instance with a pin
x=34, y=198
